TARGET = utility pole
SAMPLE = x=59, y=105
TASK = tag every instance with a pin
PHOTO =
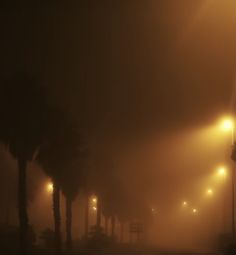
x=233, y=157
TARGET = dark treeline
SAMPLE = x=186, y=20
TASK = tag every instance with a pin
x=33, y=129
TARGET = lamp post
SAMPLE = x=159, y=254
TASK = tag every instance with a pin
x=233, y=157
x=221, y=173
x=228, y=125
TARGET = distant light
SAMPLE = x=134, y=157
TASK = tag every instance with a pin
x=185, y=204
x=227, y=124
x=195, y=211
x=50, y=187
x=154, y=210
x=94, y=200
x=94, y=208
x=209, y=192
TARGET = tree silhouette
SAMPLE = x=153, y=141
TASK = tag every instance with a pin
x=24, y=115
x=70, y=188
x=101, y=180
x=73, y=177
x=117, y=203
x=57, y=152
x=112, y=200
x=102, y=177
x=88, y=185
x=86, y=219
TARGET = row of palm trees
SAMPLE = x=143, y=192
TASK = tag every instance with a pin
x=33, y=129
x=58, y=157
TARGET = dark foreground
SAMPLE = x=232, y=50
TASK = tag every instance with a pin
x=121, y=251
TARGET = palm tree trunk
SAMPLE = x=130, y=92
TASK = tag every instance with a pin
x=7, y=203
x=86, y=216
x=57, y=218
x=68, y=223
x=22, y=207
x=106, y=225
x=99, y=213
x=113, y=224
x=121, y=232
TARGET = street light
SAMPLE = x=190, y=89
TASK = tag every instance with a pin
x=154, y=211
x=221, y=171
x=50, y=187
x=195, y=211
x=228, y=124
x=233, y=157
x=209, y=192
x=185, y=204
x=94, y=200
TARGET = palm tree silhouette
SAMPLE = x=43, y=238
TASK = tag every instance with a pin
x=73, y=177
x=56, y=156
x=23, y=114
x=70, y=187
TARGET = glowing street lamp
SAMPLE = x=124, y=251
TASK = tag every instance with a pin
x=50, y=187
x=185, y=204
x=94, y=208
x=221, y=171
x=233, y=157
x=94, y=200
x=209, y=192
x=194, y=211
x=227, y=125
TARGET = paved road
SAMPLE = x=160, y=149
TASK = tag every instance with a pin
x=154, y=252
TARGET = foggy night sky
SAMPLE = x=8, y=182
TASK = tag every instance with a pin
x=142, y=77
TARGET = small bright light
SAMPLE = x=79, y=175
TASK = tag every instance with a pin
x=154, y=210
x=195, y=211
x=50, y=187
x=227, y=124
x=94, y=200
x=221, y=171
x=94, y=208
x=185, y=204
x=209, y=192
